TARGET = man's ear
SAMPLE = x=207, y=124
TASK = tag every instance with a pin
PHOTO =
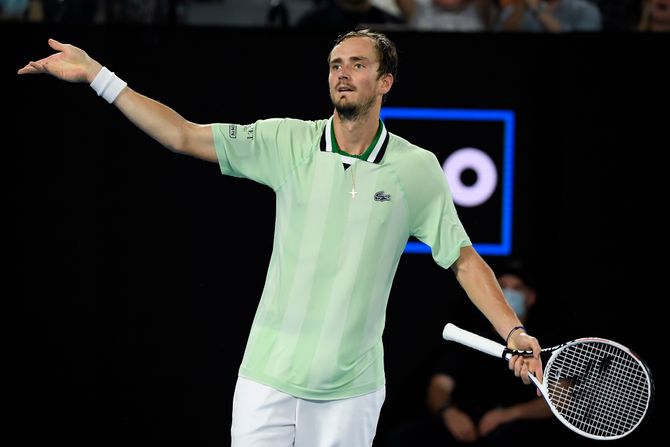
x=387, y=83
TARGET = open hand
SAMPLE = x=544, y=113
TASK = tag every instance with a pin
x=70, y=64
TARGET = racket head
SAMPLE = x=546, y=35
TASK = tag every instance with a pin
x=598, y=388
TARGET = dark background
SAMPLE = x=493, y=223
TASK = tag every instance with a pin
x=135, y=273
x=444, y=138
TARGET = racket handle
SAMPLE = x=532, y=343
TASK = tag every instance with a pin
x=452, y=332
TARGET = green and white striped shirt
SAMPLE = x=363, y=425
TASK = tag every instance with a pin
x=317, y=333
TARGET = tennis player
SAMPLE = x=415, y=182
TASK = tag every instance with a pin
x=348, y=196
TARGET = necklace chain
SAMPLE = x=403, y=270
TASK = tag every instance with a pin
x=353, y=180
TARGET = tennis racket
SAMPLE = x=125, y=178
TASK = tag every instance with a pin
x=596, y=387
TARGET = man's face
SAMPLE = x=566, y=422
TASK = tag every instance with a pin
x=517, y=293
x=353, y=78
x=511, y=281
x=660, y=9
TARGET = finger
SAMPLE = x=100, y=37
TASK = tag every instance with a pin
x=524, y=374
x=535, y=368
x=56, y=45
x=539, y=373
x=537, y=360
x=27, y=70
x=38, y=67
x=532, y=366
x=512, y=361
x=518, y=366
x=537, y=350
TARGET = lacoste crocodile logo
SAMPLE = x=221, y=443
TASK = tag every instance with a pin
x=381, y=196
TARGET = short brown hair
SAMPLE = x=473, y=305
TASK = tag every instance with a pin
x=386, y=51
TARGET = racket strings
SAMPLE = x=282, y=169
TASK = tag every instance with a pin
x=597, y=393
x=581, y=392
x=598, y=388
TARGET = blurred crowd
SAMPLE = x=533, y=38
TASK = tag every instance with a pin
x=423, y=15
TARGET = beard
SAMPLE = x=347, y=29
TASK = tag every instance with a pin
x=352, y=111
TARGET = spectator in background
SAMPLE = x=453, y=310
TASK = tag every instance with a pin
x=277, y=16
x=21, y=10
x=347, y=14
x=448, y=15
x=655, y=16
x=137, y=11
x=551, y=16
x=86, y=12
x=13, y=9
x=470, y=399
x=619, y=15
x=389, y=6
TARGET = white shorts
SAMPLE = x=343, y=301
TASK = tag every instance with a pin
x=263, y=416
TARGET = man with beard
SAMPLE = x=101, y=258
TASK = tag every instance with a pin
x=349, y=194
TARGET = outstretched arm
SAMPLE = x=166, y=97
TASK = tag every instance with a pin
x=160, y=122
x=533, y=409
x=479, y=282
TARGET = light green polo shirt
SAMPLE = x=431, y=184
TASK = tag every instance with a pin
x=317, y=333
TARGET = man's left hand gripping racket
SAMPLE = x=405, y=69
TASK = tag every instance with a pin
x=596, y=387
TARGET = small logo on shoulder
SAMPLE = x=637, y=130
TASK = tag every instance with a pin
x=232, y=131
x=381, y=196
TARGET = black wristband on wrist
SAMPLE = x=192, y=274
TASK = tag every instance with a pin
x=511, y=332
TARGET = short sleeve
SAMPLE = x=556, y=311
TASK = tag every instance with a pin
x=433, y=217
x=266, y=151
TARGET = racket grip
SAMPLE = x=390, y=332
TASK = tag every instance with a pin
x=452, y=332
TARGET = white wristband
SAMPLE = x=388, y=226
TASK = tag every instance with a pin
x=108, y=85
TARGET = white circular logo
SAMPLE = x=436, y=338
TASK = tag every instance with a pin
x=487, y=176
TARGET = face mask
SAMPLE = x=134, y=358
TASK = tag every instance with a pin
x=517, y=300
